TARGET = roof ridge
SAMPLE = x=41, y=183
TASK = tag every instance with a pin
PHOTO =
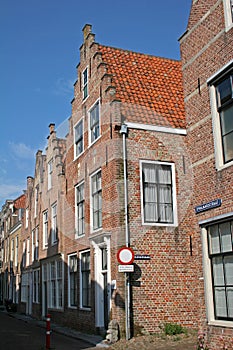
x=138, y=53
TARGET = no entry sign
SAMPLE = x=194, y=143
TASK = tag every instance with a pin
x=125, y=256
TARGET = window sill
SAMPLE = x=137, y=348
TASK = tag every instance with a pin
x=72, y=307
x=219, y=323
x=158, y=224
x=85, y=309
x=91, y=144
x=78, y=156
x=224, y=166
x=79, y=236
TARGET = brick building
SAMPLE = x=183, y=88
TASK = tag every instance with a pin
x=207, y=63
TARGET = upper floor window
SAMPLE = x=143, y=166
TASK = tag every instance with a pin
x=224, y=90
x=35, y=244
x=85, y=83
x=36, y=201
x=26, y=217
x=79, y=210
x=78, y=139
x=54, y=224
x=50, y=171
x=94, y=130
x=158, y=198
x=45, y=229
x=228, y=12
x=96, y=200
x=221, y=98
x=220, y=238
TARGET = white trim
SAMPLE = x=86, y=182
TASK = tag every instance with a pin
x=77, y=156
x=215, y=218
x=91, y=201
x=82, y=83
x=149, y=127
x=75, y=213
x=80, y=279
x=68, y=273
x=89, y=130
x=219, y=72
x=174, y=199
x=227, y=14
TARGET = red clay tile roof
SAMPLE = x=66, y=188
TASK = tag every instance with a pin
x=150, y=86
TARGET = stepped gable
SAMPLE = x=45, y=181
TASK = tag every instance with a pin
x=150, y=86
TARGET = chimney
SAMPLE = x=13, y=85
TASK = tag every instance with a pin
x=51, y=128
x=86, y=31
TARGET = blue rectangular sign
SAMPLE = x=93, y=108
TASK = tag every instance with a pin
x=206, y=206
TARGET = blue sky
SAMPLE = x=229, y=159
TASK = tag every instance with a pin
x=39, y=51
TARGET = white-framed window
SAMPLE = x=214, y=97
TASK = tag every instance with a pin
x=36, y=201
x=45, y=229
x=26, y=217
x=85, y=280
x=50, y=172
x=78, y=139
x=94, y=123
x=24, y=254
x=16, y=250
x=54, y=223
x=24, y=287
x=158, y=193
x=85, y=83
x=217, y=241
x=35, y=244
x=12, y=250
x=79, y=210
x=96, y=201
x=28, y=252
x=221, y=99
x=53, y=277
x=228, y=13
x=36, y=286
x=72, y=280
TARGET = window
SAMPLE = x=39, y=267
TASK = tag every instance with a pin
x=26, y=218
x=54, y=223
x=45, y=229
x=12, y=250
x=24, y=287
x=78, y=139
x=228, y=11
x=24, y=254
x=36, y=201
x=35, y=244
x=158, y=193
x=16, y=250
x=36, y=286
x=94, y=123
x=221, y=98
x=28, y=252
x=72, y=280
x=85, y=83
x=96, y=198
x=224, y=91
x=85, y=282
x=80, y=224
x=50, y=171
x=220, y=243
x=54, y=277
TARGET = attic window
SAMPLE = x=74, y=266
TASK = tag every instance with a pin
x=85, y=83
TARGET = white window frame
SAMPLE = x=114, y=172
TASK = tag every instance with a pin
x=50, y=172
x=88, y=308
x=54, y=226
x=45, y=229
x=24, y=253
x=12, y=250
x=79, y=205
x=16, y=250
x=26, y=217
x=55, y=282
x=228, y=13
x=85, y=84
x=174, y=199
x=36, y=286
x=208, y=283
x=79, y=139
x=90, y=129
x=36, y=201
x=35, y=244
x=92, y=201
x=28, y=252
x=219, y=158
x=24, y=287
x=73, y=272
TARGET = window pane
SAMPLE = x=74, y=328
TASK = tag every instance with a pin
x=218, y=274
x=214, y=239
x=228, y=147
x=228, y=260
x=224, y=91
x=220, y=302
x=230, y=301
x=227, y=120
x=226, y=239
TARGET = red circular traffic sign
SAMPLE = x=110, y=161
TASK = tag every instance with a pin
x=125, y=256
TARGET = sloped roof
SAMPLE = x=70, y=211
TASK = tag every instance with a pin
x=153, y=85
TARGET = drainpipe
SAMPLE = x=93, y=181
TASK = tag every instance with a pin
x=124, y=131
